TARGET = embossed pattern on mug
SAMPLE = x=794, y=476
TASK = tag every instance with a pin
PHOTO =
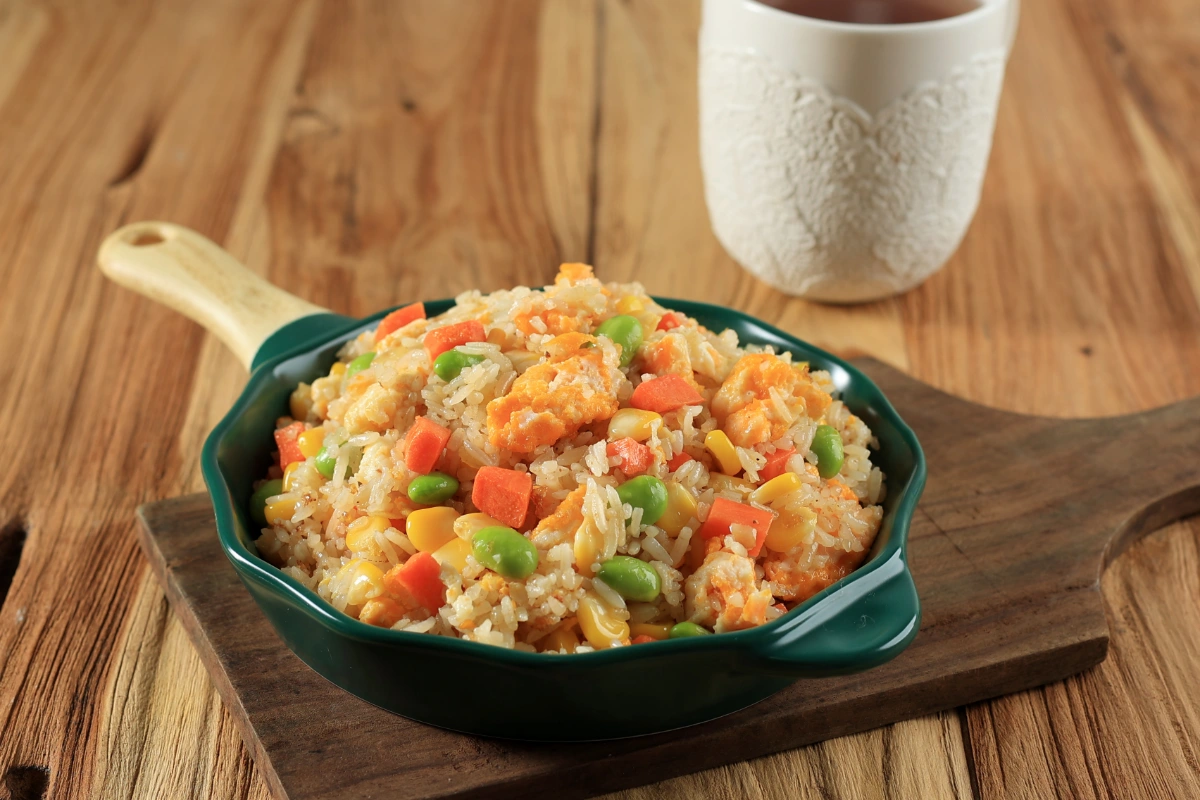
x=817, y=197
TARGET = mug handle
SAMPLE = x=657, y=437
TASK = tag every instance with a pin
x=190, y=273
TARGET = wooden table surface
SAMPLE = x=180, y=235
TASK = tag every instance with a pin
x=367, y=153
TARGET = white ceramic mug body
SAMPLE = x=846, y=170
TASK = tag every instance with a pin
x=844, y=162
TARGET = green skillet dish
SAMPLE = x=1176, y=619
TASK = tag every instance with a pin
x=860, y=622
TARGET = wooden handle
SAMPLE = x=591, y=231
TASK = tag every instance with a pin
x=193, y=275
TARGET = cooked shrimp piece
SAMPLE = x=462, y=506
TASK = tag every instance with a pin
x=723, y=594
x=762, y=396
x=575, y=386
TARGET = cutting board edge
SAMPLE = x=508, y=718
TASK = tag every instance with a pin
x=208, y=656
x=1050, y=665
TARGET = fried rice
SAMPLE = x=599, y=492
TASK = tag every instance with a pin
x=537, y=405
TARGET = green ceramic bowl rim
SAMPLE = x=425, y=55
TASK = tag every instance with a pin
x=760, y=638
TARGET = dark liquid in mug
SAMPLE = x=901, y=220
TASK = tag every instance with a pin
x=876, y=12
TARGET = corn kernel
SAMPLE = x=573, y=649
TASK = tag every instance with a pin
x=790, y=529
x=600, y=625
x=630, y=304
x=777, y=487
x=454, y=552
x=723, y=451
x=360, y=534
x=468, y=525
x=300, y=401
x=725, y=483
x=654, y=630
x=310, y=441
x=279, y=511
x=681, y=507
x=289, y=473
x=338, y=369
x=631, y=423
x=360, y=581
x=430, y=528
x=589, y=541
x=561, y=638
x=523, y=359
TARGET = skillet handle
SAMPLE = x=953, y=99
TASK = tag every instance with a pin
x=190, y=273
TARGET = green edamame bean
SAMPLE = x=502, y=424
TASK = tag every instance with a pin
x=432, y=489
x=685, y=629
x=505, y=551
x=326, y=460
x=625, y=331
x=647, y=493
x=827, y=447
x=359, y=364
x=450, y=363
x=631, y=578
x=258, y=500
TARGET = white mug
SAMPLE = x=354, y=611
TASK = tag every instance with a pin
x=843, y=162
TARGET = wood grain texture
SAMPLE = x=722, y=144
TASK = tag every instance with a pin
x=1009, y=580
x=535, y=132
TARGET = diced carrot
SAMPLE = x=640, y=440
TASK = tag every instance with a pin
x=399, y=524
x=398, y=319
x=665, y=394
x=643, y=639
x=726, y=513
x=286, y=439
x=439, y=340
x=678, y=460
x=503, y=494
x=424, y=444
x=670, y=320
x=635, y=457
x=776, y=464
x=420, y=576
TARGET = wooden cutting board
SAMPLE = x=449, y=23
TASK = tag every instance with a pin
x=1020, y=516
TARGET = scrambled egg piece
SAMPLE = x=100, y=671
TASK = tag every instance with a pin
x=810, y=566
x=669, y=356
x=383, y=396
x=573, y=387
x=568, y=516
x=573, y=273
x=553, y=315
x=560, y=525
x=794, y=584
x=722, y=594
x=745, y=408
x=413, y=330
